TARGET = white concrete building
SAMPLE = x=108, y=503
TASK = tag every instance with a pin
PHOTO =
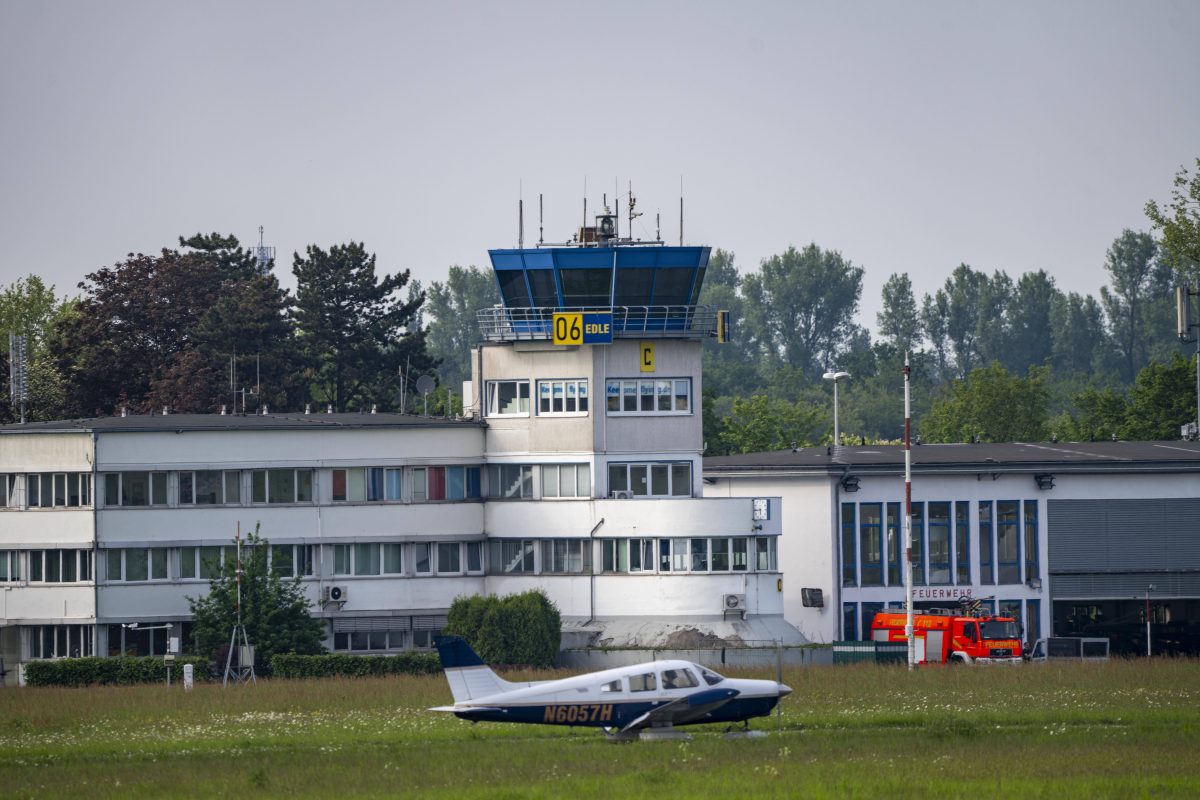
x=1067, y=537
x=387, y=518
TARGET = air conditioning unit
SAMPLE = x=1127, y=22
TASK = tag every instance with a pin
x=812, y=598
x=734, y=602
x=622, y=494
x=335, y=594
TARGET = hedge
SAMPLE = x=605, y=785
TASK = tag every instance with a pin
x=334, y=664
x=119, y=671
x=523, y=628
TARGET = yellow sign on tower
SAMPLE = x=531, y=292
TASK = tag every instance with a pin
x=647, y=359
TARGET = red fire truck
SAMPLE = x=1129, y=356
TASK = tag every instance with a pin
x=947, y=636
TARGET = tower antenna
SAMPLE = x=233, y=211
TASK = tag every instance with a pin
x=18, y=371
x=244, y=671
x=521, y=216
x=681, y=211
x=540, y=218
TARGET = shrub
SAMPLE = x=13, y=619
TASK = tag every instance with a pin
x=120, y=671
x=290, y=665
x=520, y=628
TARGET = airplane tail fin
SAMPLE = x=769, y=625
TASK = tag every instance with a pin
x=468, y=676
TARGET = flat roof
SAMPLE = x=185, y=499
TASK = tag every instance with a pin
x=1007, y=457
x=143, y=423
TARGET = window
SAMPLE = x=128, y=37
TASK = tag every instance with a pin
x=869, y=610
x=1033, y=620
x=740, y=555
x=764, y=550
x=368, y=558
x=652, y=479
x=849, y=566
x=678, y=679
x=511, y=555
x=918, y=544
x=986, y=573
x=939, y=543
x=393, y=638
x=719, y=554
x=136, y=564
x=8, y=491
x=444, y=483
x=51, y=566
x=566, y=480
x=645, y=682
x=870, y=538
x=563, y=398
x=210, y=487
x=48, y=490
x=423, y=558
x=365, y=484
x=288, y=560
x=341, y=559
x=962, y=542
x=449, y=557
x=507, y=398
x=1031, y=539
x=895, y=536
x=474, y=556
x=611, y=686
x=649, y=396
x=278, y=486
x=393, y=558
x=10, y=565
x=1007, y=542
x=567, y=555
x=849, y=622
x=641, y=555
x=699, y=552
x=510, y=481
x=60, y=641
x=135, y=489
x=715, y=554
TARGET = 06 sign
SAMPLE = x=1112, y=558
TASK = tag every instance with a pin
x=581, y=328
x=568, y=328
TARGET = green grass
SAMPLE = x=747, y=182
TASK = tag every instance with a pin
x=1120, y=729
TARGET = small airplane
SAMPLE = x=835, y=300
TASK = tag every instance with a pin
x=643, y=700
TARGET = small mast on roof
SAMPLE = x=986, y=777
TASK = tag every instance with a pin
x=606, y=230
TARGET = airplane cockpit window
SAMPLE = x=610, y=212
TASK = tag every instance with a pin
x=678, y=679
x=612, y=686
x=643, y=683
x=710, y=677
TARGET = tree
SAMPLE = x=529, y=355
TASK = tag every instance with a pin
x=1179, y=222
x=1080, y=341
x=803, y=304
x=899, y=321
x=453, y=307
x=1162, y=399
x=1099, y=414
x=1029, y=317
x=759, y=423
x=30, y=308
x=275, y=611
x=354, y=330
x=991, y=405
x=523, y=628
x=732, y=367
x=1130, y=265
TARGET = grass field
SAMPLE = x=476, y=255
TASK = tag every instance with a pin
x=1118, y=729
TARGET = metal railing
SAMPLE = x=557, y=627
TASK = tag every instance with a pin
x=503, y=324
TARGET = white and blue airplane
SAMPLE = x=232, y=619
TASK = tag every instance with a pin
x=643, y=699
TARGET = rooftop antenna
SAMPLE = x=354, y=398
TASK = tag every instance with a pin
x=681, y=211
x=262, y=254
x=18, y=371
x=632, y=214
x=244, y=670
x=521, y=217
x=425, y=385
x=616, y=211
x=584, y=208
x=540, y=218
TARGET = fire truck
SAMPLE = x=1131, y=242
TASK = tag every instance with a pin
x=954, y=636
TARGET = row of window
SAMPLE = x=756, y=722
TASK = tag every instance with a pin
x=857, y=617
x=47, y=490
x=190, y=488
x=511, y=398
x=46, y=566
x=712, y=554
x=1006, y=538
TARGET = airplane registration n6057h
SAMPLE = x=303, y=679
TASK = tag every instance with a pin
x=645, y=699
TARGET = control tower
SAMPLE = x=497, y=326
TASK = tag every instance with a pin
x=619, y=534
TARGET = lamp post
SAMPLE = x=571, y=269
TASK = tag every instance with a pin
x=1149, y=589
x=836, y=377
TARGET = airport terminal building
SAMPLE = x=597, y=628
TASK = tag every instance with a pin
x=575, y=469
x=1069, y=538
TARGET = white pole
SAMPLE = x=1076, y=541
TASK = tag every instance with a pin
x=837, y=438
x=1147, y=623
x=908, y=577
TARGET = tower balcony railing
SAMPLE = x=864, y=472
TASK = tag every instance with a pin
x=503, y=324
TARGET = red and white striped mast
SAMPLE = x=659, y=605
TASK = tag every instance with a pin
x=908, y=578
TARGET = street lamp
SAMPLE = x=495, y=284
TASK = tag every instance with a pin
x=836, y=377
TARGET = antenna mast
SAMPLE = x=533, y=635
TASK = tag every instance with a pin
x=244, y=670
x=18, y=371
x=681, y=211
x=540, y=218
x=908, y=576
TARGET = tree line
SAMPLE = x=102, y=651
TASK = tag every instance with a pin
x=994, y=357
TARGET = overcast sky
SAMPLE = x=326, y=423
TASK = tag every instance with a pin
x=911, y=137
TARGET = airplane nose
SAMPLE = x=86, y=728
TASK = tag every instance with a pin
x=784, y=690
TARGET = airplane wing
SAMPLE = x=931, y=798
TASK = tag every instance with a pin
x=688, y=708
